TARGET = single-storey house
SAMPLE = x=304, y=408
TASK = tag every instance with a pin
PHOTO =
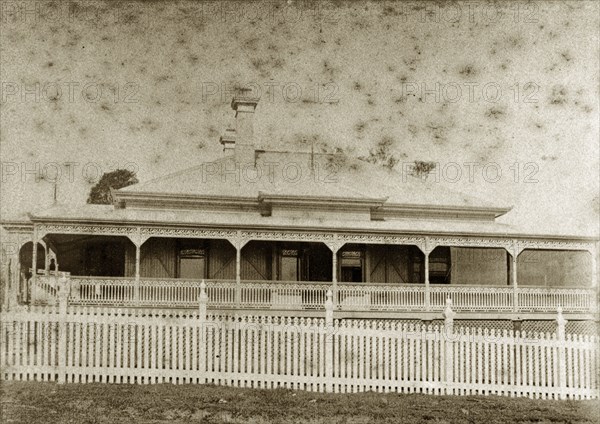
x=272, y=231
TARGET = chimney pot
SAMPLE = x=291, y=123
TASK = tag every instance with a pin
x=245, y=103
x=228, y=139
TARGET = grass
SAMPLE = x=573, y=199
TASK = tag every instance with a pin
x=108, y=403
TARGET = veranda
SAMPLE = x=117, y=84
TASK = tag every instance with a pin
x=289, y=272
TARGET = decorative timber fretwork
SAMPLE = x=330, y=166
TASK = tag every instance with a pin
x=287, y=236
x=111, y=230
x=15, y=240
x=140, y=233
x=512, y=245
x=418, y=241
x=556, y=245
x=147, y=232
x=335, y=244
x=239, y=241
x=514, y=250
x=436, y=241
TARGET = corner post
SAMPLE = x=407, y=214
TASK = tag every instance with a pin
x=202, y=305
x=427, y=287
x=594, y=268
x=561, y=346
x=449, y=346
x=238, y=275
x=515, y=254
x=334, y=247
x=334, y=279
x=136, y=293
x=13, y=281
x=63, y=298
x=427, y=294
x=329, y=329
x=202, y=302
x=29, y=286
x=46, y=260
x=594, y=282
x=137, y=239
x=6, y=293
x=238, y=242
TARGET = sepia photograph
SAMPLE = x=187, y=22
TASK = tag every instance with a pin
x=299, y=211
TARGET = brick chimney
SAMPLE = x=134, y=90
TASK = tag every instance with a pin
x=244, y=107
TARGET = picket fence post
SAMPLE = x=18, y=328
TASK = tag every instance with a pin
x=329, y=341
x=202, y=302
x=449, y=348
x=63, y=299
x=562, y=345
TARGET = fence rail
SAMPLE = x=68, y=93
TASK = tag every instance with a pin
x=380, y=297
x=282, y=295
x=78, y=344
x=467, y=298
x=574, y=300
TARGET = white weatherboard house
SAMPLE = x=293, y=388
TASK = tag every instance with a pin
x=272, y=231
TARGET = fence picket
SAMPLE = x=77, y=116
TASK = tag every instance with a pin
x=570, y=363
x=288, y=350
x=83, y=345
x=403, y=340
x=588, y=360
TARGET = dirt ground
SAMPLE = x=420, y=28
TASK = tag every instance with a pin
x=109, y=403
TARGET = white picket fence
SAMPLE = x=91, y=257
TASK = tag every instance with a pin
x=75, y=344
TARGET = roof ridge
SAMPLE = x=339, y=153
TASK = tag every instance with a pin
x=299, y=152
x=180, y=172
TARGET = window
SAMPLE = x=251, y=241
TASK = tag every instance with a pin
x=192, y=263
x=351, y=266
x=289, y=265
x=439, y=265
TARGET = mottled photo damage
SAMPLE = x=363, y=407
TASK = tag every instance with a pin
x=298, y=211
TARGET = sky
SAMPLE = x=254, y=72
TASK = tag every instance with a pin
x=502, y=96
